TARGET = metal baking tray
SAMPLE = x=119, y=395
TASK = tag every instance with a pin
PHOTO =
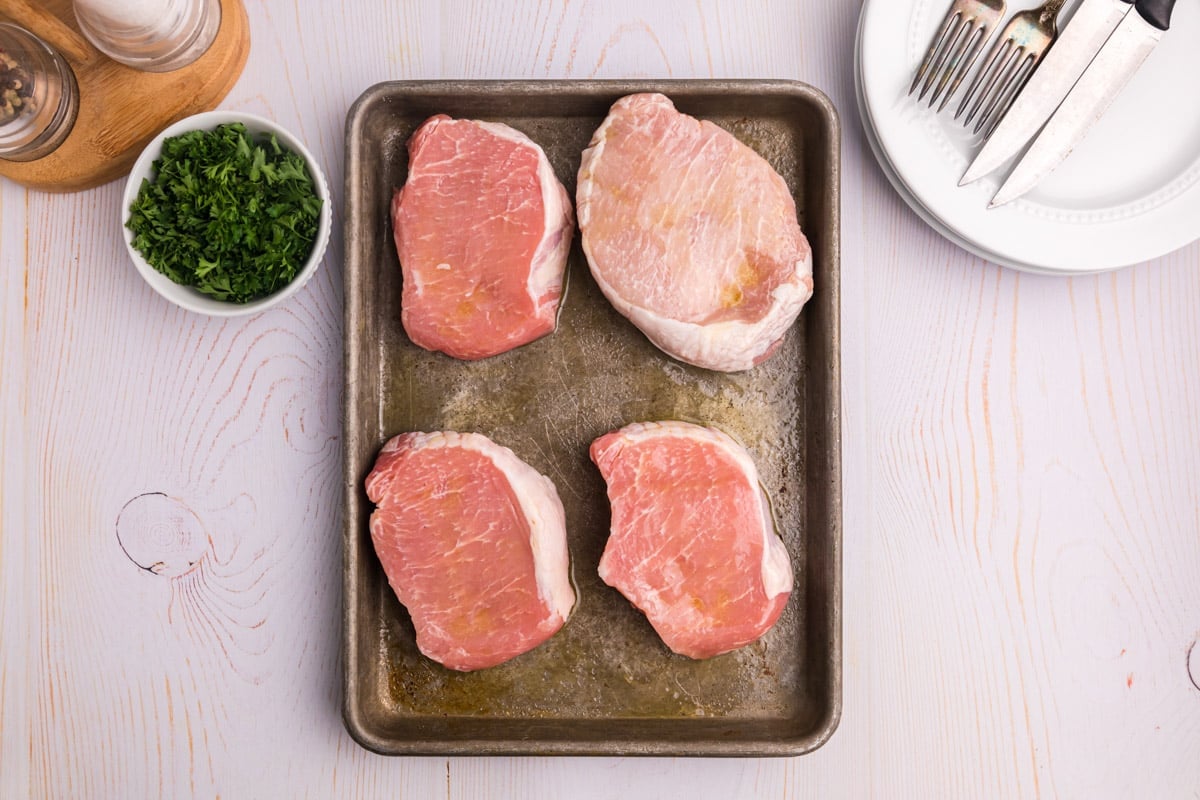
x=605, y=684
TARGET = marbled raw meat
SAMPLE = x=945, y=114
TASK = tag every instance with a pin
x=692, y=542
x=691, y=235
x=482, y=228
x=473, y=542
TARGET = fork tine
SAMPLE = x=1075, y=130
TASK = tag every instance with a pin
x=954, y=58
x=984, y=71
x=1016, y=85
x=945, y=48
x=953, y=46
x=1005, y=97
x=979, y=38
x=956, y=48
x=1009, y=63
x=991, y=98
x=934, y=46
x=995, y=77
x=991, y=101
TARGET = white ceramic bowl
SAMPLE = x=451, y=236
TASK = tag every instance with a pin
x=186, y=296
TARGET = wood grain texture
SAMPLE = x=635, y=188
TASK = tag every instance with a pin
x=120, y=109
x=1022, y=507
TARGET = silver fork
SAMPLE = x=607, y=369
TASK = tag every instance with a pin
x=956, y=45
x=1011, y=61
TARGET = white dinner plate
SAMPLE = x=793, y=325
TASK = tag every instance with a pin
x=890, y=173
x=1129, y=192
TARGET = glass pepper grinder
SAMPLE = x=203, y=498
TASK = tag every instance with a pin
x=150, y=35
x=39, y=98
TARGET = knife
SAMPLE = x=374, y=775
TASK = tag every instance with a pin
x=1062, y=65
x=1124, y=51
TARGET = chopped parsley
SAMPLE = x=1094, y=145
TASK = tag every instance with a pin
x=230, y=215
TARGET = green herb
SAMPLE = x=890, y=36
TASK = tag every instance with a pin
x=233, y=217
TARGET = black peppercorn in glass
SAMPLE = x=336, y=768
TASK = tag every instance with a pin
x=38, y=96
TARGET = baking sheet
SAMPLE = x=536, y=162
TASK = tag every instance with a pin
x=605, y=684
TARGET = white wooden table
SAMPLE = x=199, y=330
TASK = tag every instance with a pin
x=1022, y=476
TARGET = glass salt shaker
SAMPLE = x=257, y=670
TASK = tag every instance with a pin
x=150, y=35
x=39, y=98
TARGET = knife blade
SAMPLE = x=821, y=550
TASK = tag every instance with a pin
x=1124, y=51
x=1062, y=65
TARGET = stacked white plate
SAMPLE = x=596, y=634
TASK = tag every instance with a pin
x=1128, y=193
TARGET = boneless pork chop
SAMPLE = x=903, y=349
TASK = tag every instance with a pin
x=691, y=235
x=482, y=229
x=473, y=542
x=692, y=542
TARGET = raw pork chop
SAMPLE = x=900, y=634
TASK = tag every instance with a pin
x=692, y=544
x=473, y=542
x=482, y=229
x=691, y=235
